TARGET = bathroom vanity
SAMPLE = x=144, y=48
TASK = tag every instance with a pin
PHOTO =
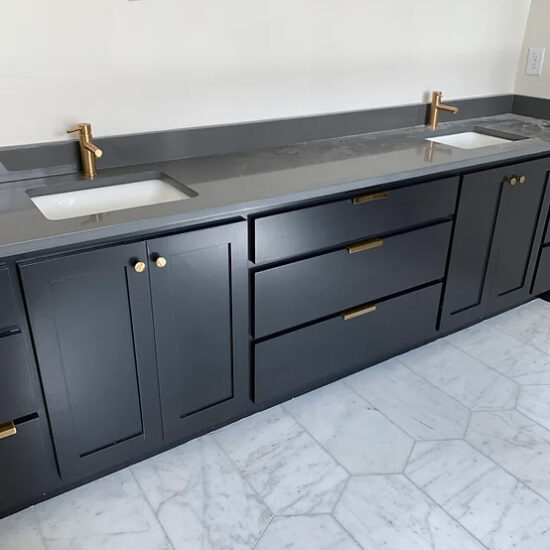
x=125, y=333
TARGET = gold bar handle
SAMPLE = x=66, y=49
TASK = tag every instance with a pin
x=357, y=312
x=372, y=197
x=365, y=245
x=7, y=430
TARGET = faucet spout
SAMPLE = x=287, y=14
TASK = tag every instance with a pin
x=448, y=108
x=94, y=150
x=436, y=107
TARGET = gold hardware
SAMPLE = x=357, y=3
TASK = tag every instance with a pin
x=365, y=245
x=357, y=312
x=7, y=430
x=140, y=267
x=438, y=106
x=161, y=262
x=513, y=181
x=88, y=151
x=522, y=179
x=372, y=197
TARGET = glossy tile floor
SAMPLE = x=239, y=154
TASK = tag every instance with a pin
x=444, y=448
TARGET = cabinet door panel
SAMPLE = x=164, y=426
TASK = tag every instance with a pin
x=520, y=233
x=92, y=325
x=199, y=306
x=475, y=225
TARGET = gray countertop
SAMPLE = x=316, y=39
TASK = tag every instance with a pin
x=242, y=183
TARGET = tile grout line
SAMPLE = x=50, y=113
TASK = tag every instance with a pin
x=316, y=440
x=455, y=520
x=333, y=516
x=373, y=408
x=468, y=407
x=243, y=476
x=509, y=378
x=505, y=469
x=263, y=532
x=150, y=506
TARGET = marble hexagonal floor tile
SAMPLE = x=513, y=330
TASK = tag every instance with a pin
x=290, y=471
x=360, y=438
x=493, y=505
x=534, y=402
x=303, y=532
x=517, y=360
x=110, y=513
x=201, y=499
x=515, y=442
x=469, y=381
x=390, y=512
x=416, y=406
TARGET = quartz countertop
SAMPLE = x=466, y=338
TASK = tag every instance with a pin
x=244, y=183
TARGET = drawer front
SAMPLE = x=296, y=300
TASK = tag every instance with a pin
x=8, y=314
x=16, y=386
x=324, y=226
x=27, y=465
x=299, y=360
x=303, y=291
x=542, y=277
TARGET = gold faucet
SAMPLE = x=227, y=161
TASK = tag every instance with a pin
x=88, y=151
x=438, y=106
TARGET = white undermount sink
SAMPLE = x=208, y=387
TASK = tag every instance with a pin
x=98, y=200
x=469, y=140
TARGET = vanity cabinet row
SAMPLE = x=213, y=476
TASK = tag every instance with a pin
x=113, y=353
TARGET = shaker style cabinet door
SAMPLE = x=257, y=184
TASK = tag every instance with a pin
x=521, y=225
x=91, y=319
x=200, y=306
x=472, y=247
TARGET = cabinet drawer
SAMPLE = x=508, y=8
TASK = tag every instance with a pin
x=27, y=467
x=299, y=360
x=8, y=314
x=542, y=277
x=16, y=388
x=327, y=225
x=303, y=291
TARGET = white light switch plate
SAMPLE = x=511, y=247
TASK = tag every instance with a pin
x=535, y=59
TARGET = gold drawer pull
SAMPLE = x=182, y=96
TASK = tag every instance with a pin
x=357, y=312
x=372, y=197
x=365, y=245
x=7, y=430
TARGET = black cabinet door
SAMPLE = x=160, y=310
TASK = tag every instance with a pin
x=92, y=325
x=472, y=247
x=519, y=234
x=200, y=307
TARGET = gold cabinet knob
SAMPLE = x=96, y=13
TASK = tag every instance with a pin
x=522, y=179
x=513, y=180
x=161, y=262
x=140, y=267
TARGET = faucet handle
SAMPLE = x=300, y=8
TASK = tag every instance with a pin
x=82, y=127
x=77, y=128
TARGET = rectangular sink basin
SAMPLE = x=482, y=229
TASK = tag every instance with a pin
x=470, y=140
x=109, y=198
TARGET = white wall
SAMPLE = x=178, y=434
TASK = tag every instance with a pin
x=537, y=34
x=156, y=64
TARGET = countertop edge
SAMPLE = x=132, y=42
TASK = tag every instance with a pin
x=243, y=209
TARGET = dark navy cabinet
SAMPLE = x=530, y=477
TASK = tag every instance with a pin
x=200, y=307
x=498, y=227
x=117, y=327
x=93, y=330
